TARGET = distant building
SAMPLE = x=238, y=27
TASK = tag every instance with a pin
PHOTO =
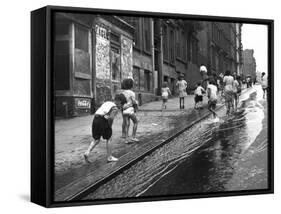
x=249, y=64
x=220, y=47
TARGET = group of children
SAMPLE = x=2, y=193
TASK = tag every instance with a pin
x=231, y=89
x=127, y=103
x=104, y=116
x=211, y=91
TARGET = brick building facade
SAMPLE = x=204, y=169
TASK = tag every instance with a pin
x=249, y=64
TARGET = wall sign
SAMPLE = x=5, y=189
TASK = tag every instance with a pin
x=82, y=103
x=102, y=54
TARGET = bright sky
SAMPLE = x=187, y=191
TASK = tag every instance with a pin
x=254, y=36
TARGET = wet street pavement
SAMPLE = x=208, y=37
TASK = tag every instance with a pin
x=209, y=157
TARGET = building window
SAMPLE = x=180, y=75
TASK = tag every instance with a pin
x=178, y=44
x=62, y=55
x=81, y=38
x=147, y=80
x=165, y=43
x=115, y=63
x=147, y=39
x=136, y=76
x=135, y=22
x=183, y=45
x=194, y=50
x=172, y=46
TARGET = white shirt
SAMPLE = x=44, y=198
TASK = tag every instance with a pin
x=105, y=108
x=228, y=80
x=212, y=91
x=198, y=91
x=182, y=84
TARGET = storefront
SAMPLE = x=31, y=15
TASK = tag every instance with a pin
x=92, y=54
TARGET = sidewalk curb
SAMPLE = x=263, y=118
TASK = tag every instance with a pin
x=78, y=195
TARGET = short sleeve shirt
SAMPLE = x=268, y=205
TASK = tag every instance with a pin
x=105, y=108
x=182, y=84
x=228, y=80
x=198, y=91
x=213, y=91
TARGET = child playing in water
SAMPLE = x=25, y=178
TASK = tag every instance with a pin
x=129, y=111
x=165, y=94
x=212, y=95
x=198, y=96
x=102, y=125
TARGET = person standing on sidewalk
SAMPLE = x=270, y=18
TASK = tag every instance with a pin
x=228, y=81
x=102, y=125
x=129, y=111
x=182, y=85
x=212, y=91
x=165, y=95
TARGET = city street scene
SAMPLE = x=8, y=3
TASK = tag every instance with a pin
x=158, y=107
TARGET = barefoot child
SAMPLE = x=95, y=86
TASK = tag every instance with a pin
x=129, y=111
x=165, y=95
x=198, y=96
x=182, y=85
x=102, y=125
x=212, y=95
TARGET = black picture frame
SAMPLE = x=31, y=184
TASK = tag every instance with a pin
x=42, y=104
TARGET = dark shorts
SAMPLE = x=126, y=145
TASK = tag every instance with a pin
x=212, y=104
x=164, y=99
x=101, y=128
x=198, y=98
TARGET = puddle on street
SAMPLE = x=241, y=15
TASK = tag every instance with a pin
x=202, y=159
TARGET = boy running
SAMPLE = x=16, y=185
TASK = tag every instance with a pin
x=198, y=96
x=212, y=95
x=102, y=125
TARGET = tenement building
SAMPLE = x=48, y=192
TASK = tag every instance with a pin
x=94, y=53
x=249, y=64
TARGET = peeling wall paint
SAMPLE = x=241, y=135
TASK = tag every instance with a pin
x=126, y=57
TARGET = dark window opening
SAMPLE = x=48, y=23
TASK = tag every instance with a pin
x=81, y=38
x=62, y=55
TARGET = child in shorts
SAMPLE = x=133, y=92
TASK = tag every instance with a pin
x=102, y=125
x=165, y=95
x=198, y=96
x=212, y=91
x=129, y=111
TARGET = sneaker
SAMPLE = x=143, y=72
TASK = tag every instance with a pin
x=112, y=159
x=135, y=139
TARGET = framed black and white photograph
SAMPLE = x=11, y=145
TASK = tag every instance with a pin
x=132, y=106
